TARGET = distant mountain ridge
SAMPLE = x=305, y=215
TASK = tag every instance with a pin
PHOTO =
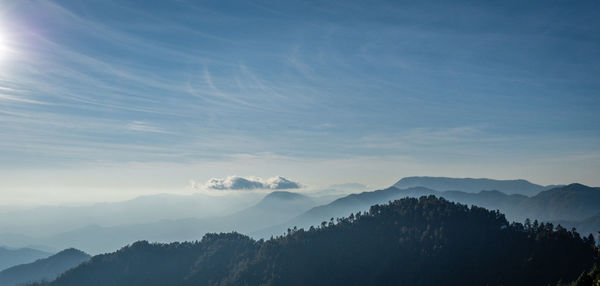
x=22, y=225
x=587, y=225
x=567, y=203
x=283, y=199
x=343, y=207
x=571, y=202
x=275, y=208
x=43, y=269
x=11, y=257
x=280, y=210
x=472, y=185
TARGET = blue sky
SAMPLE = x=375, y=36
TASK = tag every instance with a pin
x=115, y=98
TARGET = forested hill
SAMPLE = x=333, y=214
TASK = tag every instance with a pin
x=43, y=269
x=572, y=205
x=425, y=241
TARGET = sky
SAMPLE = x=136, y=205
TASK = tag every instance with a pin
x=107, y=100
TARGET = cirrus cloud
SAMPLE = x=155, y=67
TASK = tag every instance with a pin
x=251, y=183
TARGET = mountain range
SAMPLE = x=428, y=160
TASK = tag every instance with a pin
x=45, y=269
x=275, y=208
x=24, y=224
x=573, y=205
x=473, y=185
x=567, y=204
x=425, y=241
x=10, y=257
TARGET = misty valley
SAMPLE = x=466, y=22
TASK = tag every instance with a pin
x=419, y=231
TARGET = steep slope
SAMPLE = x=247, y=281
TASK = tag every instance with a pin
x=343, y=207
x=275, y=208
x=472, y=185
x=43, y=269
x=11, y=257
x=426, y=241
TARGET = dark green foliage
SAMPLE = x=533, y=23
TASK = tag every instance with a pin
x=565, y=205
x=591, y=278
x=425, y=241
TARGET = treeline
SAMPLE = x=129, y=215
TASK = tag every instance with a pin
x=591, y=278
x=425, y=241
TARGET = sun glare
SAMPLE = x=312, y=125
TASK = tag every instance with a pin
x=3, y=45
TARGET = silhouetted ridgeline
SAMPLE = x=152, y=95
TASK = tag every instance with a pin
x=425, y=241
x=43, y=269
x=573, y=205
x=472, y=185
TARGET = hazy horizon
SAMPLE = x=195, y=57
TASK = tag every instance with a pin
x=110, y=100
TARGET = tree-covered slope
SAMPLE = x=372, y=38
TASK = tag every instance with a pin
x=343, y=207
x=43, y=269
x=571, y=205
x=588, y=278
x=588, y=225
x=425, y=241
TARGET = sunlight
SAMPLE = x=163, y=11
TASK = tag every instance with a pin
x=3, y=45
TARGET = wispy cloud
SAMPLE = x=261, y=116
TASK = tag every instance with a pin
x=143, y=126
x=295, y=81
x=431, y=137
x=18, y=99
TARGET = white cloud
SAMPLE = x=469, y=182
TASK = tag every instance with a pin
x=251, y=183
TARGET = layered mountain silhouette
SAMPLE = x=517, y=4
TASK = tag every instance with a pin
x=276, y=212
x=275, y=208
x=343, y=207
x=572, y=202
x=45, y=269
x=573, y=205
x=11, y=257
x=587, y=225
x=49, y=220
x=472, y=185
x=425, y=241
x=567, y=204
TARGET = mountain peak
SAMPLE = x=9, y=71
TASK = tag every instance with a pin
x=578, y=186
x=283, y=201
x=575, y=187
x=284, y=195
x=72, y=252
